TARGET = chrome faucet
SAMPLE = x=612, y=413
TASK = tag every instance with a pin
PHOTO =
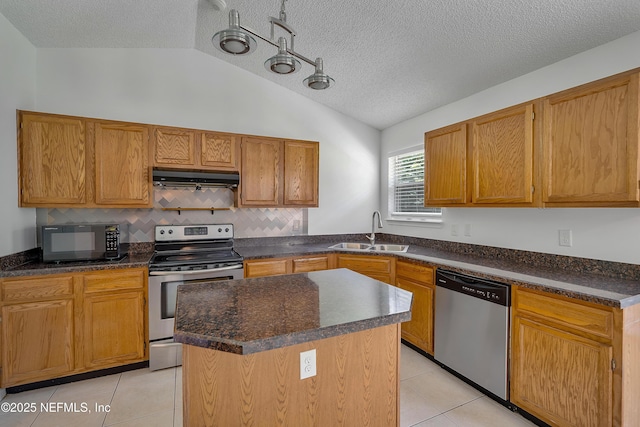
x=372, y=237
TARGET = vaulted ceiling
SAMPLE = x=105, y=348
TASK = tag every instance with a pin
x=391, y=60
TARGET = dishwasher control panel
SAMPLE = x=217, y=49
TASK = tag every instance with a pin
x=498, y=293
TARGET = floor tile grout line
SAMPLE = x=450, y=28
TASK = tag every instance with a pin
x=112, y=396
x=48, y=400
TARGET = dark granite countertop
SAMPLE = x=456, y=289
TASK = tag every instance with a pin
x=606, y=283
x=252, y=315
x=37, y=267
x=602, y=282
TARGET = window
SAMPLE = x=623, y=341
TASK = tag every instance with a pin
x=406, y=188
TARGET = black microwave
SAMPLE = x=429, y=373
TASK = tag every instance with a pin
x=80, y=242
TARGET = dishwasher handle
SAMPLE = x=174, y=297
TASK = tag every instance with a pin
x=490, y=291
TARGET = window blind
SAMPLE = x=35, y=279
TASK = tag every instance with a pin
x=406, y=180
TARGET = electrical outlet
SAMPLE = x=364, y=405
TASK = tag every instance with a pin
x=467, y=230
x=296, y=225
x=308, y=364
x=564, y=238
x=454, y=229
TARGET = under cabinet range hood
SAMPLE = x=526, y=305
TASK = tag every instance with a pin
x=180, y=178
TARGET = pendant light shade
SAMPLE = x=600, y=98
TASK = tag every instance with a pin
x=282, y=63
x=319, y=80
x=234, y=40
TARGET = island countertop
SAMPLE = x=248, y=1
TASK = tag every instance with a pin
x=253, y=315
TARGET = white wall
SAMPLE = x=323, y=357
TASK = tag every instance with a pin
x=191, y=89
x=17, y=91
x=598, y=233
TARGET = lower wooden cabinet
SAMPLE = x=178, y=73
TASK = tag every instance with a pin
x=377, y=267
x=418, y=279
x=114, y=317
x=288, y=265
x=37, y=340
x=562, y=365
x=64, y=324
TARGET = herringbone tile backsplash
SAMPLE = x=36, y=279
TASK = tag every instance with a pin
x=248, y=222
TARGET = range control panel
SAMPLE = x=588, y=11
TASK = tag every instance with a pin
x=488, y=290
x=174, y=233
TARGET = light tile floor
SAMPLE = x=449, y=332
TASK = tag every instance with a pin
x=429, y=397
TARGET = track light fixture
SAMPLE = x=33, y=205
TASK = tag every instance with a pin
x=239, y=40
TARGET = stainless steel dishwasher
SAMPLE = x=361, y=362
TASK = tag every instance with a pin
x=471, y=334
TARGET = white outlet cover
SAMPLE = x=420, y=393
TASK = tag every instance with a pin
x=565, y=238
x=307, y=364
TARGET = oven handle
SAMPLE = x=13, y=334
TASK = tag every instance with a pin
x=212, y=270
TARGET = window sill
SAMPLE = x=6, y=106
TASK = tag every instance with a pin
x=418, y=221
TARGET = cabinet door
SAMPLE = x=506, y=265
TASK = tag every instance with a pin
x=114, y=328
x=445, y=163
x=122, y=165
x=301, y=173
x=219, y=151
x=419, y=330
x=261, y=172
x=562, y=378
x=502, y=156
x=114, y=317
x=591, y=144
x=53, y=160
x=37, y=341
x=174, y=148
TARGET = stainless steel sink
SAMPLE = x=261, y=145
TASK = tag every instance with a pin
x=389, y=248
x=366, y=247
x=351, y=246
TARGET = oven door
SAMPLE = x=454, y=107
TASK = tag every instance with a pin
x=163, y=288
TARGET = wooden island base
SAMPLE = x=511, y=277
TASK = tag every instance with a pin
x=357, y=383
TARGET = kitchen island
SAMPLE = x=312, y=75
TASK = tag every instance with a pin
x=243, y=338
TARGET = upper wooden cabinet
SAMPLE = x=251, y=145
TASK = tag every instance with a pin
x=174, y=148
x=260, y=184
x=177, y=148
x=278, y=173
x=53, y=160
x=122, y=164
x=445, y=163
x=86, y=163
x=301, y=173
x=219, y=151
x=502, y=146
x=488, y=160
x=75, y=162
x=591, y=144
x=576, y=148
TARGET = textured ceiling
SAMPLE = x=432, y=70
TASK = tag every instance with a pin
x=391, y=60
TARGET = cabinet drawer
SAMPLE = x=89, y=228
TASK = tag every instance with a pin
x=113, y=281
x=418, y=273
x=366, y=264
x=579, y=317
x=302, y=265
x=265, y=268
x=36, y=288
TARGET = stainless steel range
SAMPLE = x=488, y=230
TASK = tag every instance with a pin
x=184, y=254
